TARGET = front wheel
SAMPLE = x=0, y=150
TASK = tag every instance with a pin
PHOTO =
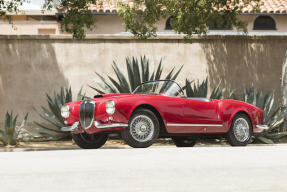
x=90, y=141
x=143, y=129
x=183, y=142
x=240, y=131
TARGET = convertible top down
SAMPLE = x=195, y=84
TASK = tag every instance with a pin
x=160, y=109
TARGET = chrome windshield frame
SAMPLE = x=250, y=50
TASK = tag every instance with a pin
x=163, y=80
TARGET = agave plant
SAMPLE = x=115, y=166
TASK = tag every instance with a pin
x=201, y=89
x=52, y=114
x=137, y=73
x=11, y=133
x=273, y=116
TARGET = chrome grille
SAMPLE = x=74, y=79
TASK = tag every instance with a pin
x=87, y=112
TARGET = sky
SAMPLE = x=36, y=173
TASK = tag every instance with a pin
x=32, y=5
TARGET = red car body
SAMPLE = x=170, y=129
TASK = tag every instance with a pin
x=178, y=115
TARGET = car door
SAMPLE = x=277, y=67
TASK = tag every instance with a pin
x=200, y=116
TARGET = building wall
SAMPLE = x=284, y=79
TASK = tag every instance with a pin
x=28, y=28
x=112, y=24
x=31, y=66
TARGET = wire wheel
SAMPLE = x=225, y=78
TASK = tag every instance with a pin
x=142, y=128
x=241, y=129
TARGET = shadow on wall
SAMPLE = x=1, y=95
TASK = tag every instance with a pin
x=28, y=70
x=242, y=63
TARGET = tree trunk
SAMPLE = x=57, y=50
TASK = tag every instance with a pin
x=284, y=90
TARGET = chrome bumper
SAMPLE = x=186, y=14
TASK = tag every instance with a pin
x=97, y=125
x=111, y=125
x=261, y=128
x=71, y=128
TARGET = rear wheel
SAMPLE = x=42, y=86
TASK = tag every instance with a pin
x=240, y=131
x=90, y=141
x=183, y=141
x=143, y=129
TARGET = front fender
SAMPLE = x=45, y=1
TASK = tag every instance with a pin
x=240, y=110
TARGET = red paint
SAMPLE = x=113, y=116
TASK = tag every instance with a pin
x=173, y=110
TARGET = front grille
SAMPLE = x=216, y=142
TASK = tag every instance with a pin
x=87, y=112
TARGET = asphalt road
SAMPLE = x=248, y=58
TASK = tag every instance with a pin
x=255, y=168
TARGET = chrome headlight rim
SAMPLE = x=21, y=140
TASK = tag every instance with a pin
x=65, y=111
x=110, y=107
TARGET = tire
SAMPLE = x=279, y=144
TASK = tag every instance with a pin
x=183, y=142
x=90, y=141
x=143, y=129
x=237, y=136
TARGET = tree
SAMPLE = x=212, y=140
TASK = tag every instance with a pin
x=9, y=6
x=186, y=16
x=77, y=17
x=140, y=16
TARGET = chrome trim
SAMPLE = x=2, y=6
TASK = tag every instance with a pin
x=111, y=125
x=71, y=128
x=262, y=127
x=194, y=125
x=94, y=106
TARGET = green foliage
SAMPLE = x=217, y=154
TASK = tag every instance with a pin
x=273, y=116
x=140, y=16
x=10, y=6
x=137, y=73
x=201, y=89
x=77, y=17
x=188, y=16
x=52, y=114
x=10, y=135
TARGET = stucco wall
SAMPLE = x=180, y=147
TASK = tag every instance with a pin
x=30, y=66
x=112, y=24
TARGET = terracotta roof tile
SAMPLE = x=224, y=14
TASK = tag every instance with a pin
x=267, y=6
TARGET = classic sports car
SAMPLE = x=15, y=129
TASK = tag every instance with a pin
x=160, y=109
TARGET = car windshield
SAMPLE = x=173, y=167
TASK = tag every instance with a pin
x=162, y=87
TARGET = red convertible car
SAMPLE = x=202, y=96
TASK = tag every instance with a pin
x=160, y=109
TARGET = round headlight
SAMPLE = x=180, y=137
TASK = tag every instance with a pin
x=65, y=111
x=110, y=107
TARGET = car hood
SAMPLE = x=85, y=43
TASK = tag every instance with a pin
x=114, y=95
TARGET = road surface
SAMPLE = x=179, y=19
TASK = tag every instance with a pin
x=156, y=169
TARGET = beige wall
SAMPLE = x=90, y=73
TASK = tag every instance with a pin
x=112, y=24
x=27, y=27
x=33, y=65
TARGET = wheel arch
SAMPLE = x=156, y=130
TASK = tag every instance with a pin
x=240, y=111
x=157, y=114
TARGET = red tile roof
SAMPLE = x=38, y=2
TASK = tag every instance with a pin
x=270, y=6
x=267, y=6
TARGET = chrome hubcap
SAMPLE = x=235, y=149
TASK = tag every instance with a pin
x=142, y=128
x=241, y=130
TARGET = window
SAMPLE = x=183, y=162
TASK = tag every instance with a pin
x=264, y=23
x=167, y=24
x=224, y=26
x=46, y=31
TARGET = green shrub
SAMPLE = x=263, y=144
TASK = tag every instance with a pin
x=10, y=135
x=52, y=115
x=273, y=115
x=137, y=73
x=201, y=89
